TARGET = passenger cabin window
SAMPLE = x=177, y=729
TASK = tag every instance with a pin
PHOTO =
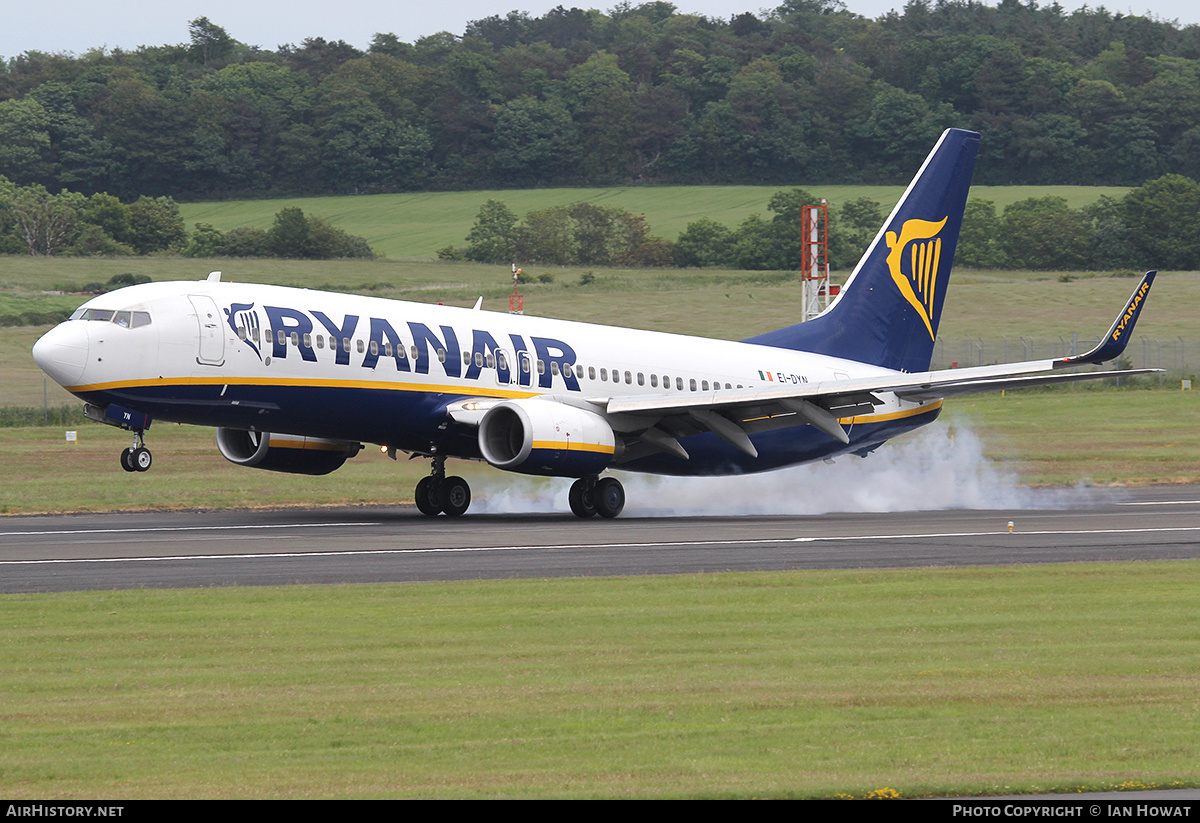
x=654, y=381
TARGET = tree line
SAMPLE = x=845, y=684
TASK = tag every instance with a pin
x=37, y=222
x=1153, y=226
x=636, y=94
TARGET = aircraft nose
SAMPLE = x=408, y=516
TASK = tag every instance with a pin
x=62, y=352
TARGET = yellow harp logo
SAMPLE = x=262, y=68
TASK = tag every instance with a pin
x=919, y=284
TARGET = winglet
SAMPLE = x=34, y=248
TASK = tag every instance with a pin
x=1122, y=329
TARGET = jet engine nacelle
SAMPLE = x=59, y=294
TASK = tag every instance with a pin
x=545, y=437
x=284, y=452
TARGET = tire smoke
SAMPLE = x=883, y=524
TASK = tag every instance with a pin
x=939, y=467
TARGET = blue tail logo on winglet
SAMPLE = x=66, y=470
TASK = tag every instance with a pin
x=919, y=283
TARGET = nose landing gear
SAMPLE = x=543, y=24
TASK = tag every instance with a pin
x=137, y=458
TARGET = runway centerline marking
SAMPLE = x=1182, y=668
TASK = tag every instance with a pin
x=1163, y=503
x=569, y=546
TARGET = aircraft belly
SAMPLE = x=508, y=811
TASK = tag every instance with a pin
x=408, y=420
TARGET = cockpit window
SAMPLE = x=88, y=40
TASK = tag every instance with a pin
x=124, y=319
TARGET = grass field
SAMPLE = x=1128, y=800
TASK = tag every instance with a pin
x=802, y=684
x=1131, y=437
x=418, y=225
x=708, y=302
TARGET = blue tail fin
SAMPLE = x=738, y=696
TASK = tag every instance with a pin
x=887, y=312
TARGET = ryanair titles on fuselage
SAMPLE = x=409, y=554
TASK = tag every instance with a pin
x=539, y=358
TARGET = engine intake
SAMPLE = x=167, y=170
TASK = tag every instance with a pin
x=545, y=437
x=284, y=452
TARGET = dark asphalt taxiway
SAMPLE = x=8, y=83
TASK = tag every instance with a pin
x=373, y=545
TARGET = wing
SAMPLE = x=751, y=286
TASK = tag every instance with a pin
x=733, y=415
x=659, y=421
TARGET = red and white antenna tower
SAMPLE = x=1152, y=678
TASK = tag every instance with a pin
x=516, y=303
x=815, y=250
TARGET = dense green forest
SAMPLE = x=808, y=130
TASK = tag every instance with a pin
x=807, y=92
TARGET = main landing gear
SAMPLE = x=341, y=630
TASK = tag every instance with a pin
x=137, y=458
x=438, y=494
x=591, y=496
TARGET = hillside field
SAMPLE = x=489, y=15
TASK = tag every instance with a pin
x=416, y=226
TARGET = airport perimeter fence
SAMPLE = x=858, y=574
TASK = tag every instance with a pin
x=1177, y=357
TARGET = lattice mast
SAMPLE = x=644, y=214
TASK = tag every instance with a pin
x=516, y=303
x=815, y=253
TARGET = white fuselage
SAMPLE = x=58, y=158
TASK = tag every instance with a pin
x=243, y=356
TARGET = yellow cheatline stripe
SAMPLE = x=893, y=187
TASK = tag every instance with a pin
x=300, y=382
x=567, y=445
x=900, y=415
x=480, y=391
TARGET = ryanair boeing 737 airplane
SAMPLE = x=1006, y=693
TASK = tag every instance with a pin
x=296, y=380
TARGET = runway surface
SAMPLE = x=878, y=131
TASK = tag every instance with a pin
x=375, y=545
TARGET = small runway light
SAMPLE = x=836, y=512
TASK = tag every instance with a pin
x=1010, y=527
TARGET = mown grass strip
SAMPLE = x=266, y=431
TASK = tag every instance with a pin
x=1060, y=437
x=799, y=684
